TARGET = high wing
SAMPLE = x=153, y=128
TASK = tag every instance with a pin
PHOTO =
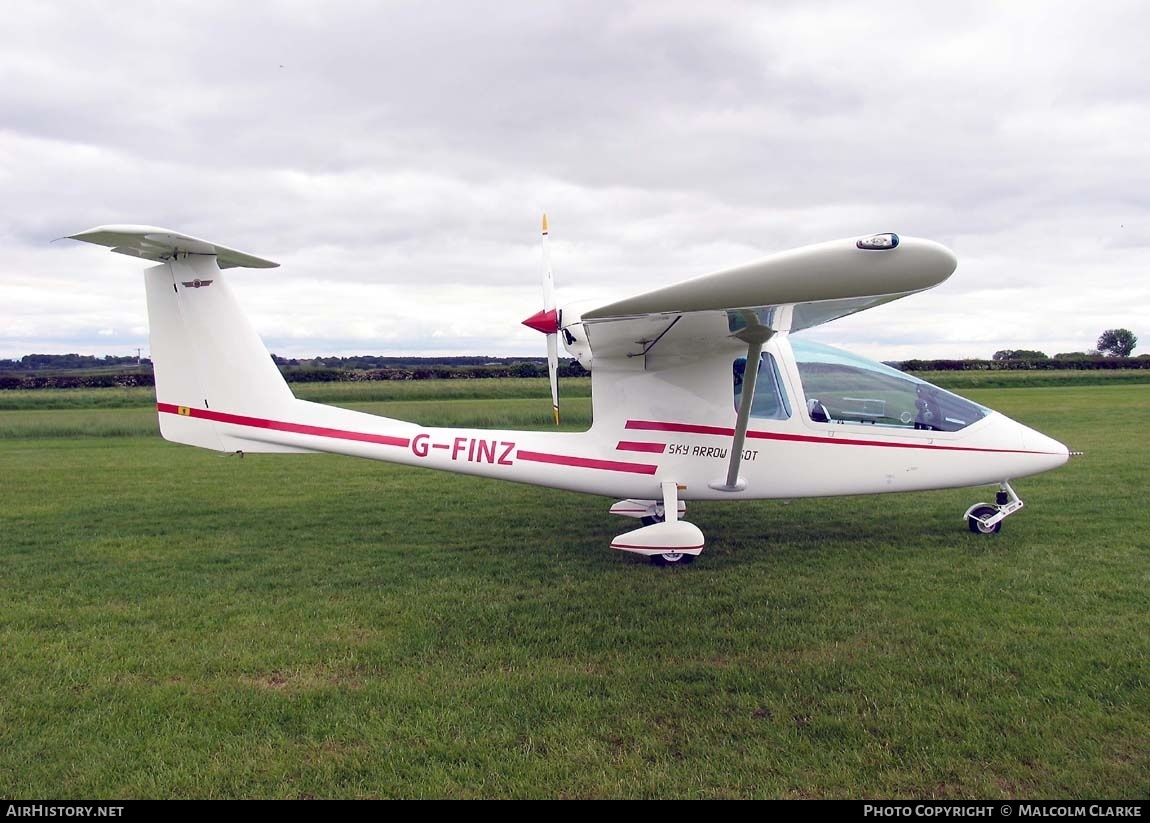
x=785, y=292
x=738, y=311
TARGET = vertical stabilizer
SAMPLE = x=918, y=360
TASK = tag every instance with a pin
x=207, y=355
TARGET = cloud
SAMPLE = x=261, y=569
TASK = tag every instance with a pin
x=395, y=160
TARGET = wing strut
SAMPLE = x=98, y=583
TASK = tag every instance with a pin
x=755, y=335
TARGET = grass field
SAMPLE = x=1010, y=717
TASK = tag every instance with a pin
x=177, y=623
x=388, y=391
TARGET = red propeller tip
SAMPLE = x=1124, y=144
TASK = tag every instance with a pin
x=543, y=321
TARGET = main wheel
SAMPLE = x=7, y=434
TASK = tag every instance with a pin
x=671, y=558
x=977, y=526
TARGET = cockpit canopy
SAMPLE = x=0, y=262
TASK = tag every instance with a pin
x=841, y=387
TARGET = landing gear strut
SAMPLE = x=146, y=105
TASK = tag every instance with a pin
x=984, y=518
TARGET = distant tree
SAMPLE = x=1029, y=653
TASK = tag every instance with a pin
x=1117, y=342
x=1072, y=355
x=1019, y=354
x=572, y=368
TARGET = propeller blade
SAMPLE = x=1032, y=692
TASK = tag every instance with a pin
x=548, y=278
x=553, y=371
x=552, y=338
x=547, y=321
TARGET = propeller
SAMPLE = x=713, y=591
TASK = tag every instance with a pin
x=546, y=321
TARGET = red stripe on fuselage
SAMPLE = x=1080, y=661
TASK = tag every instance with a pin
x=691, y=428
x=687, y=428
x=656, y=548
x=389, y=440
x=279, y=425
x=586, y=462
x=634, y=446
x=849, y=441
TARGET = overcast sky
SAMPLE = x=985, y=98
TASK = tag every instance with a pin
x=394, y=158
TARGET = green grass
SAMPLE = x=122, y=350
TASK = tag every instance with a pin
x=961, y=381
x=495, y=403
x=384, y=391
x=378, y=391
x=55, y=399
x=517, y=413
x=178, y=623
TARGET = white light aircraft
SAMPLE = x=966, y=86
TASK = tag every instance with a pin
x=677, y=413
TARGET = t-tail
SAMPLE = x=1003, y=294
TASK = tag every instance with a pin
x=217, y=386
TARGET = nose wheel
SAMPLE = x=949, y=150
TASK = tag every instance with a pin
x=984, y=518
x=979, y=520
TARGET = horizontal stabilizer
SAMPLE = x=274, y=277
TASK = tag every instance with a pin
x=154, y=243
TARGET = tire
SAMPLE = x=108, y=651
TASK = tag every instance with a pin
x=977, y=525
x=672, y=559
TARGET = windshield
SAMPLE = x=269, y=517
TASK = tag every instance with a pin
x=841, y=387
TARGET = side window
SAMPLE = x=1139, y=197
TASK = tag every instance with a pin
x=770, y=402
